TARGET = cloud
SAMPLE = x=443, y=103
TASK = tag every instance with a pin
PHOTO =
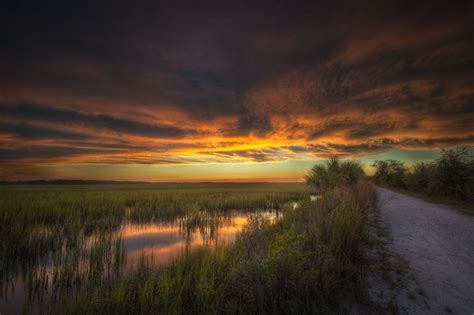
x=28, y=131
x=60, y=116
x=267, y=154
x=181, y=83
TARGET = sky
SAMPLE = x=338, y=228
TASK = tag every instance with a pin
x=230, y=90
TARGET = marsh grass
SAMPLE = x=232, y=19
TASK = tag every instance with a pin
x=309, y=260
x=306, y=262
x=60, y=238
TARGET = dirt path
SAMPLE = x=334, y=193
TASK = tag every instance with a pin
x=438, y=244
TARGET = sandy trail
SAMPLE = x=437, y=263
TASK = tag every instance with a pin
x=438, y=243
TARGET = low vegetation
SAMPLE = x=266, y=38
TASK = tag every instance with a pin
x=40, y=223
x=310, y=261
x=333, y=173
x=450, y=176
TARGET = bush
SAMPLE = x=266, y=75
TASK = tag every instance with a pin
x=334, y=173
x=451, y=175
x=455, y=173
x=390, y=172
x=421, y=178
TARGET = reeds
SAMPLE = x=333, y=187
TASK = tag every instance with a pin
x=306, y=262
x=47, y=231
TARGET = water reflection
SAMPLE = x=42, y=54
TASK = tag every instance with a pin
x=164, y=241
x=109, y=255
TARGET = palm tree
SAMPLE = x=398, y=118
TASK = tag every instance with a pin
x=334, y=173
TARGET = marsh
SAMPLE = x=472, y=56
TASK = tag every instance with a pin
x=69, y=236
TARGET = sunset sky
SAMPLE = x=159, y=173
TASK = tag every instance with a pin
x=229, y=90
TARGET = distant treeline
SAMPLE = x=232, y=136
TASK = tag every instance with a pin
x=113, y=182
x=67, y=182
x=167, y=185
x=451, y=175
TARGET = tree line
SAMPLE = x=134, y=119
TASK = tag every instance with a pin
x=450, y=175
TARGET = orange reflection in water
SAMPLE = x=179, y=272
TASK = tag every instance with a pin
x=158, y=243
x=162, y=242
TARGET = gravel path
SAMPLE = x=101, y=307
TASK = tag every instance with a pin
x=438, y=243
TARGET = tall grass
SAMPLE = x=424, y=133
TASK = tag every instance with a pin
x=307, y=262
x=40, y=223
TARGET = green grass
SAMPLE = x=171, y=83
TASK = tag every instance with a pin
x=28, y=209
x=308, y=262
x=38, y=222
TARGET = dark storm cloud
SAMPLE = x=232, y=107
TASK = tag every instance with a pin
x=354, y=129
x=88, y=153
x=448, y=141
x=299, y=78
x=65, y=117
x=382, y=144
x=247, y=124
x=46, y=152
x=28, y=131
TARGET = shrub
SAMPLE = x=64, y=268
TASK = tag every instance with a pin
x=390, y=172
x=451, y=175
x=455, y=173
x=421, y=178
x=334, y=173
